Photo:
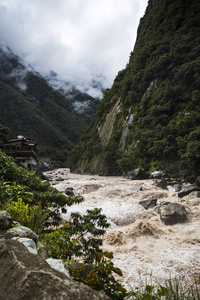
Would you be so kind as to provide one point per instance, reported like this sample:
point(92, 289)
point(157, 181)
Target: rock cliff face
point(25, 276)
point(156, 125)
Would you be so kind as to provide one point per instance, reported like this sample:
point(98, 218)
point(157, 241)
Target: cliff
point(150, 117)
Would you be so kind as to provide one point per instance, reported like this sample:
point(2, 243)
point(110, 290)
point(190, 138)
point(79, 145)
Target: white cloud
point(78, 39)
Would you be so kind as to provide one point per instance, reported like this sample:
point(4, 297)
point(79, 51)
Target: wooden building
point(23, 150)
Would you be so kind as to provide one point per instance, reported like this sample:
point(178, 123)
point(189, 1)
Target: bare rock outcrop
point(26, 276)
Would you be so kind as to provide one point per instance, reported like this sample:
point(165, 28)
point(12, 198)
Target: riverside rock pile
point(24, 275)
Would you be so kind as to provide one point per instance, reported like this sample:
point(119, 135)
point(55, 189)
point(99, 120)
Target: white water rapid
point(143, 246)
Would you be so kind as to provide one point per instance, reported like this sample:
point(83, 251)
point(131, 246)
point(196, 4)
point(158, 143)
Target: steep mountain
point(82, 103)
point(29, 106)
point(150, 118)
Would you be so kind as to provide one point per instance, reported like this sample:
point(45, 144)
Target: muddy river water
point(144, 248)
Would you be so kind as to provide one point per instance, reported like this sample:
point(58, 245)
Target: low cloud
point(79, 40)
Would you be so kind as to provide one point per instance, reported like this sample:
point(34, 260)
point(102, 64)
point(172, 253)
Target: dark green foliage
point(80, 237)
point(160, 86)
point(3, 133)
point(26, 190)
point(101, 277)
point(85, 151)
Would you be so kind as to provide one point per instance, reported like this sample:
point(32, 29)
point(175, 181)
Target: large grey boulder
point(26, 276)
point(161, 183)
point(172, 213)
point(136, 188)
point(58, 265)
point(174, 187)
point(28, 243)
point(5, 220)
point(186, 191)
point(20, 231)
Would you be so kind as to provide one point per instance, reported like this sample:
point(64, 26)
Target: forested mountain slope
point(29, 106)
point(150, 118)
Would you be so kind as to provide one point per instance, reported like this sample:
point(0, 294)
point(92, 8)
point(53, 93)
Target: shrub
point(80, 237)
point(101, 276)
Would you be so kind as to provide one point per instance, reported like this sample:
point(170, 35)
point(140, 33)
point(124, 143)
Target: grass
point(172, 290)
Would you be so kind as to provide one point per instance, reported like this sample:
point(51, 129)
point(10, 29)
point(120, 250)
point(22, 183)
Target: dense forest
point(150, 118)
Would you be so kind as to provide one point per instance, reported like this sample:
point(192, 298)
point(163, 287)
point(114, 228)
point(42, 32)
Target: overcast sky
point(78, 39)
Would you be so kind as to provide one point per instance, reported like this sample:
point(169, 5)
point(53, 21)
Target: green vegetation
point(79, 237)
point(28, 199)
point(173, 289)
point(160, 87)
point(101, 278)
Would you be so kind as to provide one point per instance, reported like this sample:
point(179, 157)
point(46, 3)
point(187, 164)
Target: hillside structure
point(23, 150)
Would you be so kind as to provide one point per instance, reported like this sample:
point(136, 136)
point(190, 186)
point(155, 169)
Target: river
point(144, 248)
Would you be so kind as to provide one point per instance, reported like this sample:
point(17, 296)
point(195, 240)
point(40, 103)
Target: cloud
point(78, 39)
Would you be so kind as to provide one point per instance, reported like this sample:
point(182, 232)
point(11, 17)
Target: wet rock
point(161, 183)
point(172, 213)
point(20, 231)
point(136, 188)
point(59, 179)
point(195, 194)
point(137, 174)
point(28, 243)
point(157, 174)
point(186, 191)
point(148, 203)
point(58, 265)
point(91, 187)
point(174, 187)
point(69, 191)
point(5, 220)
point(27, 276)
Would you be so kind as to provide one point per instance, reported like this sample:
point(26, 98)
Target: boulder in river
point(172, 213)
point(148, 203)
point(69, 191)
point(186, 191)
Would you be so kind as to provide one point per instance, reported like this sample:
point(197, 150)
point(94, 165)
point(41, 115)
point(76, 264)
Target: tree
point(3, 133)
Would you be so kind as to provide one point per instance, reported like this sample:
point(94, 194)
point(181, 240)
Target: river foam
point(143, 246)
